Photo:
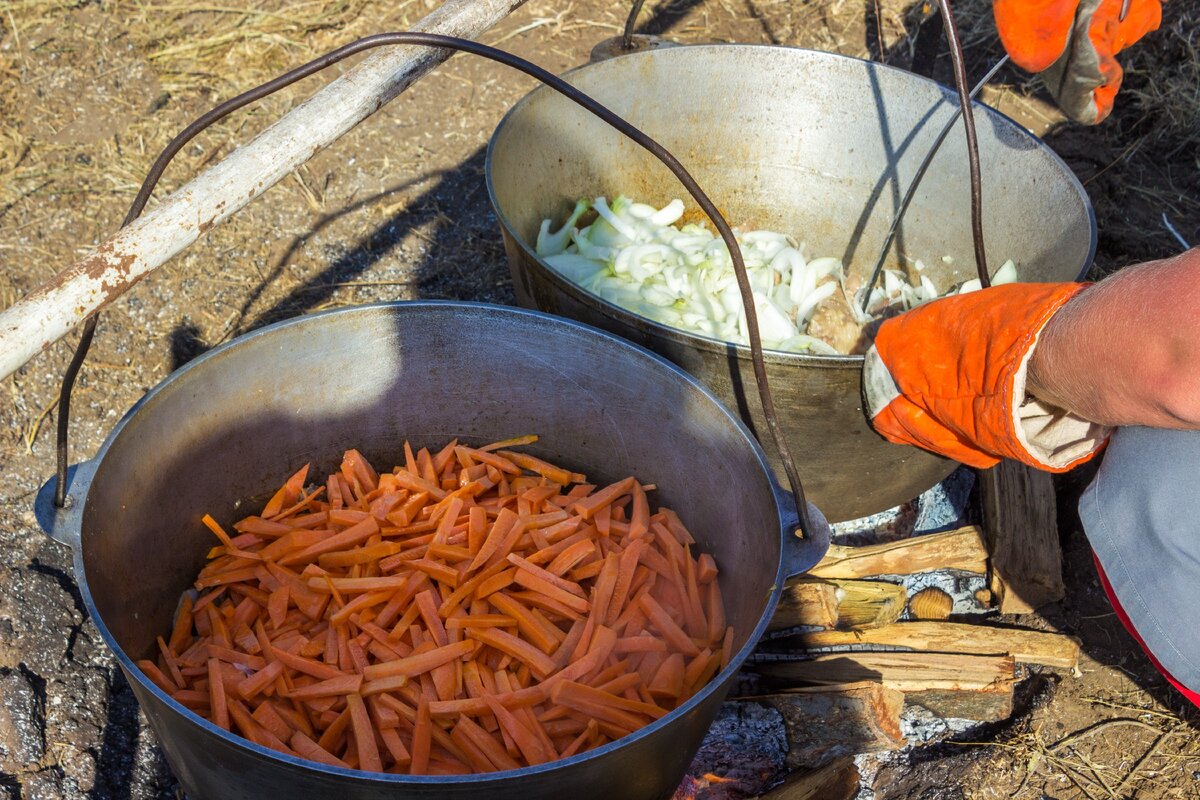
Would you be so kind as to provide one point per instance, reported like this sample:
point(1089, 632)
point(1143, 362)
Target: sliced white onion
point(635, 257)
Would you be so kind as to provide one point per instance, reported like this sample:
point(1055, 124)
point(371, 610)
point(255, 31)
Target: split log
point(837, 603)
point(961, 549)
point(868, 604)
point(837, 780)
point(827, 722)
point(804, 602)
point(1032, 647)
point(1020, 517)
point(949, 685)
point(51, 310)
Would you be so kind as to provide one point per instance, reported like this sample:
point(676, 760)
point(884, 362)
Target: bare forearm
point(1127, 350)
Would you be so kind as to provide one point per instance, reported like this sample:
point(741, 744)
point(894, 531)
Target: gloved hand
point(950, 377)
point(1074, 44)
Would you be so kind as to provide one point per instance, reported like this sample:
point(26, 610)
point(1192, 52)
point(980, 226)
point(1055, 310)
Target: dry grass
point(185, 56)
point(1118, 757)
point(1162, 83)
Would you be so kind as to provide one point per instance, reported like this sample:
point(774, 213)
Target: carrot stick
point(527, 624)
point(541, 664)
point(485, 743)
point(306, 665)
point(669, 680)
point(347, 538)
point(364, 735)
point(181, 633)
point(309, 749)
point(346, 684)
point(216, 693)
point(260, 680)
point(639, 519)
point(589, 505)
point(419, 663)
point(421, 740)
point(529, 745)
point(543, 468)
point(662, 621)
point(538, 584)
point(481, 621)
point(532, 615)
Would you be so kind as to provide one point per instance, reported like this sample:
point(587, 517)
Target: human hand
point(950, 377)
point(1074, 44)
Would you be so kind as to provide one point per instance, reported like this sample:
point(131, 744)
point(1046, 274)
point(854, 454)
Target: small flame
point(712, 779)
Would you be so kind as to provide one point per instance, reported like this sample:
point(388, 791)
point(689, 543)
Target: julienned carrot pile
point(473, 610)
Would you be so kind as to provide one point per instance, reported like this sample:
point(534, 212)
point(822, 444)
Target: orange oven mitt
point(1074, 45)
point(949, 377)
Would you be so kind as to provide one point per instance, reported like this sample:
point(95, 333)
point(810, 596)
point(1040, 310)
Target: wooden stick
point(825, 722)
point(868, 604)
point(949, 685)
point(1032, 647)
point(836, 603)
point(806, 602)
point(1021, 519)
point(905, 672)
point(837, 780)
point(49, 312)
point(961, 549)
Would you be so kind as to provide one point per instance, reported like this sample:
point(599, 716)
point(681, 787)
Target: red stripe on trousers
point(1194, 697)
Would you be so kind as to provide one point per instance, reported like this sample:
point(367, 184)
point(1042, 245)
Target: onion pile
point(636, 256)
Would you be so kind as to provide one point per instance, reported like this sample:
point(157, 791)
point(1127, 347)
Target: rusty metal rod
point(916, 181)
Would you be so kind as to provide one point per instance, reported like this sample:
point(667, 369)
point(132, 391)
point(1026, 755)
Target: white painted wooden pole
point(49, 312)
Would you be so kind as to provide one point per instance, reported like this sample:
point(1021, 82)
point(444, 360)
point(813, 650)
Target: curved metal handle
point(802, 553)
point(557, 84)
point(64, 523)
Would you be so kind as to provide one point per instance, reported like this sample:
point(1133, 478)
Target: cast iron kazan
point(819, 145)
point(235, 422)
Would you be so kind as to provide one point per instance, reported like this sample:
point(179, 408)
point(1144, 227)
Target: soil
point(90, 91)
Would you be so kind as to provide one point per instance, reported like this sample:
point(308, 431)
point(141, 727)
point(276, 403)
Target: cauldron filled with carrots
point(526, 558)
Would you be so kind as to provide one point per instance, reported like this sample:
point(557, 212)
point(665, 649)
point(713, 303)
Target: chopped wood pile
point(850, 647)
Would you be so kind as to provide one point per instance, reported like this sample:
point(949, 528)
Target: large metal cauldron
point(230, 424)
point(815, 144)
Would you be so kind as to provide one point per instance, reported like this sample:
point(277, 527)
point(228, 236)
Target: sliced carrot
point(529, 627)
point(589, 505)
point(661, 620)
point(287, 494)
point(527, 742)
point(532, 615)
point(540, 585)
point(485, 743)
point(421, 741)
point(364, 735)
point(668, 681)
point(306, 666)
point(417, 664)
point(346, 684)
point(219, 711)
point(181, 633)
point(260, 680)
point(266, 716)
point(541, 664)
point(639, 519)
point(543, 468)
point(307, 748)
